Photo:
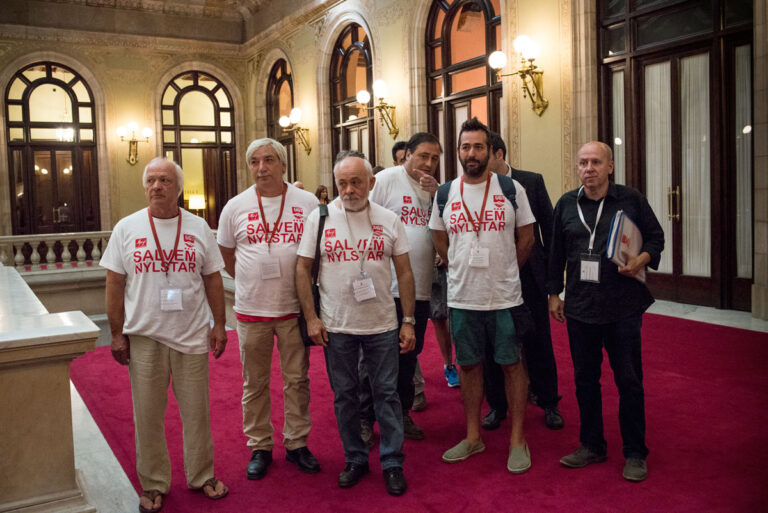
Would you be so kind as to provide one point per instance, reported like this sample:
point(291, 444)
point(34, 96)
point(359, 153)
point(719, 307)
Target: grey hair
point(161, 160)
point(258, 143)
point(345, 154)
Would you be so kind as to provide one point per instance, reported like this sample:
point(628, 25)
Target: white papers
point(624, 242)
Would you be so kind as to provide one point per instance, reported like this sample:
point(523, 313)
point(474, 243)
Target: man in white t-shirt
point(484, 236)
point(259, 233)
point(359, 240)
point(407, 191)
point(162, 275)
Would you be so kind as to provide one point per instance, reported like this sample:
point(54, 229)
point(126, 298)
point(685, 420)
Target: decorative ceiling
point(224, 9)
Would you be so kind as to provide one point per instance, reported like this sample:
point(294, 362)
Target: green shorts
point(471, 329)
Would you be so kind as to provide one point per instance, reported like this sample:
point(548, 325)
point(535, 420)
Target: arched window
point(460, 35)
point(198, 133)
point(51, 151)
point(351, 71)
point(280, 103)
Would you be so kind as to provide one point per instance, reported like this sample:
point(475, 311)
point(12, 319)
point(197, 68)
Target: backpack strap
point(442, 196)
point(508, 188)
point(321, 223)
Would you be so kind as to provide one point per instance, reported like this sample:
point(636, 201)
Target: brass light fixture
point(133, 142)
point(290, 124)
point(385, 110)
point(530, 74)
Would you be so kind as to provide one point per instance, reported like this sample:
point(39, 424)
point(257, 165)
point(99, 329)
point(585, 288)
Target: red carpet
point(706, 402)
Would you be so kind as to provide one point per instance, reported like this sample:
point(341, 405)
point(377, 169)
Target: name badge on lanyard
point(170, 300)
point(479, 256)
point(589, 270)
point(270, 267)
point(362, 287)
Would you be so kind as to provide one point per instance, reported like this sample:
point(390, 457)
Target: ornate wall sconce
point(133, 142)
point(385, 110)
point(530, 74)
point(290, 124)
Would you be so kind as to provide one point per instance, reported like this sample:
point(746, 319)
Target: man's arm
point(440, 241)
point(315, 327)
point(214, 291)
point(523, 244)
point(115, 298)
point(407, 290)
point(228, 254)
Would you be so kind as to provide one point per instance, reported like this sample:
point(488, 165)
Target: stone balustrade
point(51, 251)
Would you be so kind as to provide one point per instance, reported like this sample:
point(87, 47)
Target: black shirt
point(616, 296)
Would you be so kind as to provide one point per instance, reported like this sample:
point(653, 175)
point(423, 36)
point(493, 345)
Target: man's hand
point(635, 264)
point(439, 262)
point(317, 332)
point(407, 338)
point(556, 308)
point(121, 349)
point(218, 340)
point(429, 184)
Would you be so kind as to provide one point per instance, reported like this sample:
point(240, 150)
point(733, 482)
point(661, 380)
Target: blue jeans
point(380, 358)
point(622, 343)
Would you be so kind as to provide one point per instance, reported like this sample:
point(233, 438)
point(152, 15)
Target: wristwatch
point(410, 320)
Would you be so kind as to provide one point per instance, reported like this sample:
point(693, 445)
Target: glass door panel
point(43, 207)
point(743, 131)
point(65, 212)
point(619, 148)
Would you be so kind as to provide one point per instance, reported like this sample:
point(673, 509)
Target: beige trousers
point(151, 366)
point(256, 342)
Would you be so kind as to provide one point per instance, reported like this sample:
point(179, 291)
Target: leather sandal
point(152, 495)
point(213, 482)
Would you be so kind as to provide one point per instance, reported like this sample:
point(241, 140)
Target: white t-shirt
point(132, 252)
point(398, 192)
point(340, 257)
point(497, 286)
point(241, 227)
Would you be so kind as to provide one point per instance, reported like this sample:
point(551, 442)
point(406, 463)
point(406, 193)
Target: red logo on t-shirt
point(456, 205)
point(378, 230)
point(141, 243)
point(253, 216)
point(297, 211)
point(189, 239)
point(330, 232)
point(407, 200)
point(498, 200)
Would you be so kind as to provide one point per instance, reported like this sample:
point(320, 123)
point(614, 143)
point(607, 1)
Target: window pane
point(169, 136)
point(479, 107)
point(737, 12)
point(468, 34)
point(34, 72)
point(43, 188)
point(439, 20)
point(695, 145)
point(62, 74)
point(619, 148)
point(17, 89)
point(17, 175)
point(17, 134)
point(614, 40)
point(184, 80)
point(226, 137)
point(86, 135)
point(284, 99)
point(355, 75)
point(195, 108)
point(438, 57)
point(468, 79)
point(226, 118)
point(676, 25)
point(81, 92)
point(498, 37)
point(743, 131)
point(207, 81)
point(44, 134)
point(615, 7)
point(460, 115)
point(192, 161)
point(85, 115)
point(48, 102)
point(169, 96)
point(168, 118)
point(496, 7)
point(197, 136)
point(14, 113)
point(221, 95)
point(356, 110)
point(658, 149)
point(437, 88)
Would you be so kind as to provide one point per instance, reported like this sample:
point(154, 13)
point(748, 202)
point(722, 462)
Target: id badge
point(362, 288)
point(590, 267)
point(270, 268)
point(170, 300)
point(479, 256)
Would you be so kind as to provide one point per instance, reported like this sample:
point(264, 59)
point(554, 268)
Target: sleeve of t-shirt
point(380, 191)
point(435, 221)
point(112, 257)
point(523, 215)
point(213, 259)
point(225, 235)
point(309, 237)
point(401, 245)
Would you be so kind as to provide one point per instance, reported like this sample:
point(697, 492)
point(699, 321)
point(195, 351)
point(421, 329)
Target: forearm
point(440, 241)
point(304, 286)
point(524, 244)
point(214, 291)
point(228, 254)
point(115, 302)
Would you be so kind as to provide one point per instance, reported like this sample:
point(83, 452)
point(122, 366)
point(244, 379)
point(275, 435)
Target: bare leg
point(443, 340)
point(472, 396)
point(516, 386)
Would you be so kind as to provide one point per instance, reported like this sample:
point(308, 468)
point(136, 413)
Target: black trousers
point(537, 352)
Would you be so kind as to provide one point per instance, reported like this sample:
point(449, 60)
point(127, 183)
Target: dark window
point(279, 104)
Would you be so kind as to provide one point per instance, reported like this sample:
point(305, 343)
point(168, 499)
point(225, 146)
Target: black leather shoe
point(303, 459)
point(352, 474)
point(257, 467)
point(394, 480)
point(493, 420)
point(553, 419)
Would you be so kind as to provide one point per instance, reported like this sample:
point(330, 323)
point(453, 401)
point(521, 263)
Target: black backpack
point(507, 187)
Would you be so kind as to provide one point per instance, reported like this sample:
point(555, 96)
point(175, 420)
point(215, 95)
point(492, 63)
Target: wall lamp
point(133, 142)
point(385, 110)
point(290, 124)
point(530, 74)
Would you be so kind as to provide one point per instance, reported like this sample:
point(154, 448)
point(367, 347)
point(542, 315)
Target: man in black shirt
point(604, 304)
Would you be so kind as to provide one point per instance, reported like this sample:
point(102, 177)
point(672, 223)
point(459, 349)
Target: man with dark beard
point(483, 228)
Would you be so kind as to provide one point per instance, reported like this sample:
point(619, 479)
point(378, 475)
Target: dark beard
point(477, 172)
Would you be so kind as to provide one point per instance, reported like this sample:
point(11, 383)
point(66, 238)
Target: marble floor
point(107, 487)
